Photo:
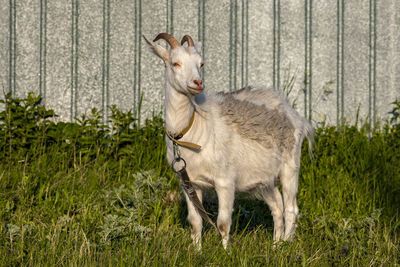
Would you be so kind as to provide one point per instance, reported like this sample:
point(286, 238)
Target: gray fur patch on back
point(256, 122)
point(244, 89)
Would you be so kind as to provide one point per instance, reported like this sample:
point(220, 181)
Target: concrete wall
point(79, 54)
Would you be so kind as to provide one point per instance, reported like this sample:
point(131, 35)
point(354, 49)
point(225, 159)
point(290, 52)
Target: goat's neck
point(178, 110)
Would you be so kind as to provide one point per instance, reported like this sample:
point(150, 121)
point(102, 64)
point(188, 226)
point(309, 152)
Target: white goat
point(250, 139)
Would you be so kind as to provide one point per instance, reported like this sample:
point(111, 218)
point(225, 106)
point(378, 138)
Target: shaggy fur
point(269, 127)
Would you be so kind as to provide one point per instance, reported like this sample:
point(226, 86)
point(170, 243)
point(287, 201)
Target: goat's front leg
point(195, 219)
point(226, 197)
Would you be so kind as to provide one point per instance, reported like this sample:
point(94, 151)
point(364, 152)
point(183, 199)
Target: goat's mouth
point(195, 90)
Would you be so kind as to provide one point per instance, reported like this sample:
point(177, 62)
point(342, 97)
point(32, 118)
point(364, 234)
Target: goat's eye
point(201, 65)
point(176, 64)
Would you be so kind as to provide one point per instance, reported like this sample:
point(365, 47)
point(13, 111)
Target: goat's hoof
point(225, 242)
point(196, 246)
point(277, 244)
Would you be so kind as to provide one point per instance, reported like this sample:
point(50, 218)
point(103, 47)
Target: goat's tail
point(308, 132)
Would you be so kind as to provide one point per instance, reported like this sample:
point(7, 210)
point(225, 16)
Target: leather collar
point(175, 138)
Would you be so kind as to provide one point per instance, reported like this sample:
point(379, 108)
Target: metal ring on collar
point(176, 161)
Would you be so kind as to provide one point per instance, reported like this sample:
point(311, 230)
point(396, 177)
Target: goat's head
point(182, 63)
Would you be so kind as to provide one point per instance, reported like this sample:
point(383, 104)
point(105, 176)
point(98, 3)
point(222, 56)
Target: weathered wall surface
point(344, 55)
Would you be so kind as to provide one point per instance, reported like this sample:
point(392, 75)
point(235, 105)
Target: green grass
point(90, 194)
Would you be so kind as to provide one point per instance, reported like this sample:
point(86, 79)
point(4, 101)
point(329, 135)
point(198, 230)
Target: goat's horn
point(169, 38)
point(188, 39)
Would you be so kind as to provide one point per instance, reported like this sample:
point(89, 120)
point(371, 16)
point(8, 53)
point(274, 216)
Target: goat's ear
point(198, 47)
point(158, 50)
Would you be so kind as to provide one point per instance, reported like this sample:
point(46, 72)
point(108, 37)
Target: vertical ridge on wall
point(245, 42)
point(12, 48)
point(74, 58)
point(230, 43)
point(201, 30)
point(140, 60)
point(310, 65)
point(310, 76)
point(337, 60)
point(308, 60)
point(276, 50)
point(235, 47)
point(305, 56)
point(199, 6)
point(242, 47)
point(233, 36)
point(135, 48)
point(203, 37)
point(340, 63)
point(137, 57)
point(43, 49)
point(372, 64)
point(170, 17)
point(105, 90)
point(234, 43)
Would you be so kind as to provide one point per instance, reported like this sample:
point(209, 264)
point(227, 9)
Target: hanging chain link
point(177, 158)
point(177, 152)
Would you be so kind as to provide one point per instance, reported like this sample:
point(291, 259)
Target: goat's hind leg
point(289, 181)
point(273, 197)
point(195, 219)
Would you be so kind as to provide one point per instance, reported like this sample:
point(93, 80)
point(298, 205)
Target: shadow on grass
point(248, 213)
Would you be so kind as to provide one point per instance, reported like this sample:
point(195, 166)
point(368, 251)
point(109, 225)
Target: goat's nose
point(199, 83)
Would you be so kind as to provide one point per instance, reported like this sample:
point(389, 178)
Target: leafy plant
point(127, 207)
point(24, 124)
point(395, 119)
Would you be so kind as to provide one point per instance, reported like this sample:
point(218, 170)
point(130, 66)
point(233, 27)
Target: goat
point(250, 139)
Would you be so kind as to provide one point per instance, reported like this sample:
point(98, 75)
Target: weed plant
point(88, 193)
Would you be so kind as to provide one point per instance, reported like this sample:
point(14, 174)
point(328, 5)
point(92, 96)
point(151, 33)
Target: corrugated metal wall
point(79, 54)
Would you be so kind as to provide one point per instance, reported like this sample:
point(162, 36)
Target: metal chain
point(177, 158)
point(177, 152)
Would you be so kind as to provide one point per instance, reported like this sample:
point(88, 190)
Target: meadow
point(92, 193)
